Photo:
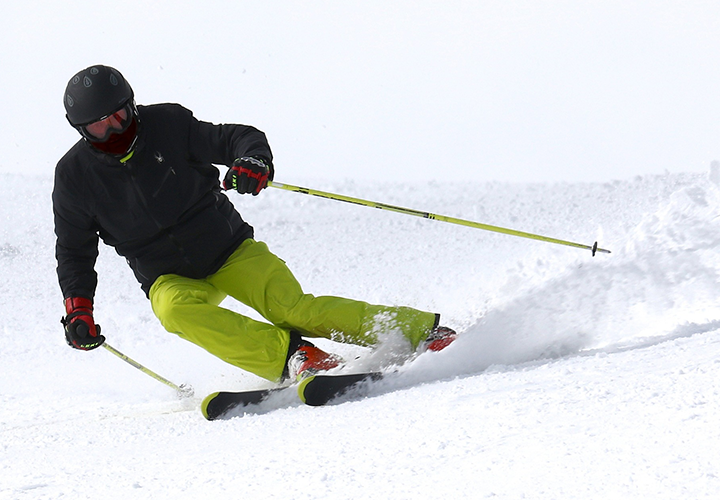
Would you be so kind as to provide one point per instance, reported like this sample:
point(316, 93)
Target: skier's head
point(100, 104)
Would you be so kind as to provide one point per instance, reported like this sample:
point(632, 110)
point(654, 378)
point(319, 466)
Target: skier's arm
point(76, 252)
point(223, 144)
point(244, 149)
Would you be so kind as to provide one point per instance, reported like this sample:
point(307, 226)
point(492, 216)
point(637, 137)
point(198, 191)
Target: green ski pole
point(427, 215)
point(184, 391)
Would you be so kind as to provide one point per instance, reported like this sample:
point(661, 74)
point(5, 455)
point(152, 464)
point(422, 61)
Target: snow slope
point(575, 377)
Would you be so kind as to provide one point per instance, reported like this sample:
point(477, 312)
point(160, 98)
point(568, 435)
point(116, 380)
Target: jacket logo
point(159, 157)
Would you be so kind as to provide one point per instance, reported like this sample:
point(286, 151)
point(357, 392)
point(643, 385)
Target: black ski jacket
point(163, 210)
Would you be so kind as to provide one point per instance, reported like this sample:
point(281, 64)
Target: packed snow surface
point(574, 376)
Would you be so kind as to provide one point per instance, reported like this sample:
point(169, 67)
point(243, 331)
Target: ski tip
point(209, 414)
point(318, 390)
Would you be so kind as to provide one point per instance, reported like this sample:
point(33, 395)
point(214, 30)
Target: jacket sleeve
point(77, 240)
point(222, 144)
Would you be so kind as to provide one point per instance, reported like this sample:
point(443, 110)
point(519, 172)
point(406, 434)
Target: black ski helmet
point(94, 93)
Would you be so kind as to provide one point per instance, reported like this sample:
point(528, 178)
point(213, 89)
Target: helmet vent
point(95, 93)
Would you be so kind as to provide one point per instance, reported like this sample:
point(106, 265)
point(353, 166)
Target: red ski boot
point(440, 337)
point(310, 360)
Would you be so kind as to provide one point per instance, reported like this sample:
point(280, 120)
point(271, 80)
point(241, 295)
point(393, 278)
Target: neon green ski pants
point(257, 278)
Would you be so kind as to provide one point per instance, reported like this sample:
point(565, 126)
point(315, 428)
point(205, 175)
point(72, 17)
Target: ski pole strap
point(427, 215)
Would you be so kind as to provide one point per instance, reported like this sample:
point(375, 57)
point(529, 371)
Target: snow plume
point(660, 283)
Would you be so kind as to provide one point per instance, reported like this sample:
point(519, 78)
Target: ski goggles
point(114, 123)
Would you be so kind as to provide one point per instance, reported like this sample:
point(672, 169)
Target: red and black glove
point(81, 332)
point(249, 174)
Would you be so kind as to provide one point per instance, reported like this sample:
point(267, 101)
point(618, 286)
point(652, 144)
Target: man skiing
point(142, 179)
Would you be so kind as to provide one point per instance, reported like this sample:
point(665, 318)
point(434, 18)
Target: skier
point(142, 179)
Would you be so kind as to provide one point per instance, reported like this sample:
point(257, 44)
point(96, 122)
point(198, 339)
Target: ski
point(317, 390)
point(218, 404)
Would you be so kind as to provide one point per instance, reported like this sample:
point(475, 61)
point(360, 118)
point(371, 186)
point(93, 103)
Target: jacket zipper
point(162, 183)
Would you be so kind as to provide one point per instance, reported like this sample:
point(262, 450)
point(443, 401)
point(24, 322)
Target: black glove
point(249, 174)
point(81, 332)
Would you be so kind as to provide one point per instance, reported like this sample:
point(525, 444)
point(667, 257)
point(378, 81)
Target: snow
point(574, 376)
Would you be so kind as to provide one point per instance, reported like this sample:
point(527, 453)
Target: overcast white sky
point(382, 89)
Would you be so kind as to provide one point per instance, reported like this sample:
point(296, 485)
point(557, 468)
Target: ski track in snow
point(574, 376)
